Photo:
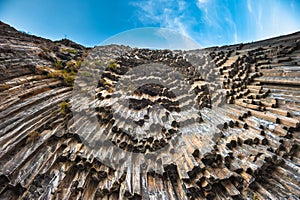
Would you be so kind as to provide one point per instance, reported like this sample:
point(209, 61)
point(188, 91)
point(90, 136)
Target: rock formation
point(236, 137)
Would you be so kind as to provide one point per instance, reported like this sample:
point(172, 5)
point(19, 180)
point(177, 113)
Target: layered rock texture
point(232, 132)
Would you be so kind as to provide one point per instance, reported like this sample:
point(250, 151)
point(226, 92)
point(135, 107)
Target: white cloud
point(210, 13)
point(235, 37)
point(232, 24)
point(202, 1)
point(182, 5)
point(176, 15)
point(217, 22)
point(259, 19)
point(218, 18)
point(271, 19)
point(249, 6)
point(170, 15)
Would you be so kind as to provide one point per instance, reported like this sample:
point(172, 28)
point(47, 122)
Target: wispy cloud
point(200, 19)
point(202, 1)
point(249, 6)
point(217, 20)
point(270, 18)
point(212, 22)
point(229, 20)
point(209, 12)
point(167, 14)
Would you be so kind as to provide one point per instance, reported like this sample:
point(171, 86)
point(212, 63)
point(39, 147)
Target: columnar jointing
point(243, 146)
point(148, 95)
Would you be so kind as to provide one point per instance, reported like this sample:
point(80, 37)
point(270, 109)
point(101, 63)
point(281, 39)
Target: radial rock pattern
point(223, 124)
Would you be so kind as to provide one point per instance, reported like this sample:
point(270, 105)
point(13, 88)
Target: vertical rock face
point(245, 146)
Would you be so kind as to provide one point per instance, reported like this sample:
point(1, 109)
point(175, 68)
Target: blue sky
point(208, 22)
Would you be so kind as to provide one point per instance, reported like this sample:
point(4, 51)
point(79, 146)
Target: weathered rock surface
point(248, 148)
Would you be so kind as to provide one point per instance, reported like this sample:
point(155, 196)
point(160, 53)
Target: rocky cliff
point(232, 132)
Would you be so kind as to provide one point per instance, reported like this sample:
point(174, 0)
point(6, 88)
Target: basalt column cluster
point(236, 137)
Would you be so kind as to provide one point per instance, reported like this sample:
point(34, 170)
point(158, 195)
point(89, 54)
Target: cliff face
point(238, 140)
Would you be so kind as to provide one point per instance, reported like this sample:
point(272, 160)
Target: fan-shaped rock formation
point(114, 122)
